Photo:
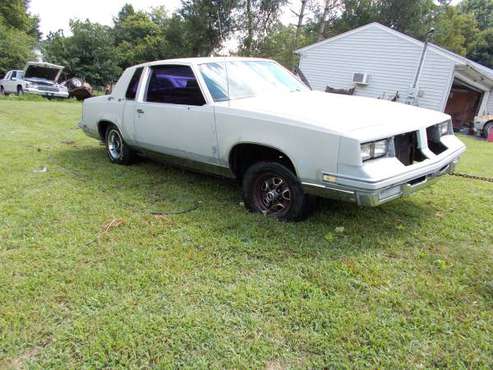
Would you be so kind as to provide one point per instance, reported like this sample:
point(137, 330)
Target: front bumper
point(385, 191)
point(49, 94)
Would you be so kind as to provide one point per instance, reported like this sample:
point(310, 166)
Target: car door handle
point(140, 111)
point(110, 98)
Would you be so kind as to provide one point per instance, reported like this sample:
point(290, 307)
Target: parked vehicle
point(37, 78)
point(77, 88)
point(483, 124)
point(252, 120)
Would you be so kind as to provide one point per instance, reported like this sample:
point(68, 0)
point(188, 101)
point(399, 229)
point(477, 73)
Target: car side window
point(134, 83)
point(14, 75)
point(174, 84)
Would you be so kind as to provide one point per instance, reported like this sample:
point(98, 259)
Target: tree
point(413, 17)
point(137, 38)
point(207, 24)
point(482, 50)
point(455, 31)
point(16, 48)
point(330, 7)
point(482, 11)
point(88, 53)
point(19, 33)
point(256, 19)
point(278, 44)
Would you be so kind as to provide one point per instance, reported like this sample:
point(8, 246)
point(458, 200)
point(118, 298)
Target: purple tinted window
point(134, 83)
point(174, 85)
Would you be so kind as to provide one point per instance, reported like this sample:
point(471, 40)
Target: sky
point(55, 14)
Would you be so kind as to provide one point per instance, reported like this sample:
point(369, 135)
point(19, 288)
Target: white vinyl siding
point(435, 81)
point(489, 105)
point(390, 60)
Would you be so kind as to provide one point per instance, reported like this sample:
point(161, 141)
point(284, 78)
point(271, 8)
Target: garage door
point(463, 104)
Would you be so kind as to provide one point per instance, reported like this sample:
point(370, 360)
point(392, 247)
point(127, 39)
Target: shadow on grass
point(150, 183)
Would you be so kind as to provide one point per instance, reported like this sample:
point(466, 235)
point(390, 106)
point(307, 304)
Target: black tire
point(20, 91)
point(2, 91)
point(117, 150)
point(273, 189)
point(487, 128)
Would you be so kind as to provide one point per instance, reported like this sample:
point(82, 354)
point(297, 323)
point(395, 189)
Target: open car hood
point(42, 71)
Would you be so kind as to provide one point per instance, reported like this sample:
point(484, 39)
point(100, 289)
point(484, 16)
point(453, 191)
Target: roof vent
point(360, 78)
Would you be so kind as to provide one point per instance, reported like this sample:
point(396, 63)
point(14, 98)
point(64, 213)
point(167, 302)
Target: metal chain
point(481, 178)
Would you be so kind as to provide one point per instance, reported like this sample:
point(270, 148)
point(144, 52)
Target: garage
point(463, 104)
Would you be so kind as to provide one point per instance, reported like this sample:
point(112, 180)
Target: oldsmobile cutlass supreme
point(252, 120)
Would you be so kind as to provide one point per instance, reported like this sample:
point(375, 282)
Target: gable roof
point(488, 72)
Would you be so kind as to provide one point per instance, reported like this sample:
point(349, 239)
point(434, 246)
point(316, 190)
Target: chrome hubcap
point(272, 194)
point(115, 144)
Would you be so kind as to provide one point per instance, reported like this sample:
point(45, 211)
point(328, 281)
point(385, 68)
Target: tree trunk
point(321, 30)
point(249, 40)
point(301, 15)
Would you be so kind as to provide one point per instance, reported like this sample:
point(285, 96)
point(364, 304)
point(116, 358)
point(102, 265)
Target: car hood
point(42, 72)
point(355, 116)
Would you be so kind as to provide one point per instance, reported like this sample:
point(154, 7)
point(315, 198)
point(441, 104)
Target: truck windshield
point(245, 79)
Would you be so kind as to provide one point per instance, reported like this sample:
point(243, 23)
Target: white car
point(37, 78)
point(253, 120)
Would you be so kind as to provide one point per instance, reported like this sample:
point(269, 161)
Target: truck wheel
point(273, 189)
point(20, 91)
point(118, 151)
point(487, 128)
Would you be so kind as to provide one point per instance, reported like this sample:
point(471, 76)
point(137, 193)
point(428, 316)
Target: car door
point(129, 109)
point(10, 83)
point(173, 117)
point(5, 80)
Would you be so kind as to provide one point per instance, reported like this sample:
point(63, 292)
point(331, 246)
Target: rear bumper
point(385, 191)
point(88, 131)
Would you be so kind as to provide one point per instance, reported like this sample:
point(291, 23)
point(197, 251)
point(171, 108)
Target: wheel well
point(102, 128)
point(242, 156)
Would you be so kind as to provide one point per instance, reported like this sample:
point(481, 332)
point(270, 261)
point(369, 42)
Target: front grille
point(47, 88)
point(434, 143)
point(406, 148)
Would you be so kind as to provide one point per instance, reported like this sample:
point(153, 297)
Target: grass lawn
point(89, 278)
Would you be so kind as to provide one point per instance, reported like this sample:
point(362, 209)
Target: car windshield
point(245, 79)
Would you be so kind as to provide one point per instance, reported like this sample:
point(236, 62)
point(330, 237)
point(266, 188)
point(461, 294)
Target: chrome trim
point(194, 165)
point(368, 197)
point(413, 172)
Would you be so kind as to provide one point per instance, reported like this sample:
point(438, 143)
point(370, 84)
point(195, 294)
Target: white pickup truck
point(36, 78)
point(252, 120)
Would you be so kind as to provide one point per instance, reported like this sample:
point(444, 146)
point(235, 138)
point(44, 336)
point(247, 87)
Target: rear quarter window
point(134, 83)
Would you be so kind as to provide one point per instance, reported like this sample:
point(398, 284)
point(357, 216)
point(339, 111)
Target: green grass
point(405, 285)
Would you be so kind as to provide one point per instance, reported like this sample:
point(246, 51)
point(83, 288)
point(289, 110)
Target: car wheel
point(487, 128)
point(20, 91)
point(2, 91)
point(273, 189)
point(118, 151)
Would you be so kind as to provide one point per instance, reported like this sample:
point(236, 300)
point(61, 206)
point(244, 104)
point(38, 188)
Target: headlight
point(444, 128)
point(375, 149)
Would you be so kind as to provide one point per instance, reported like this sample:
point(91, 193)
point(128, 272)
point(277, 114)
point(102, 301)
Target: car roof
point(200, 60)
